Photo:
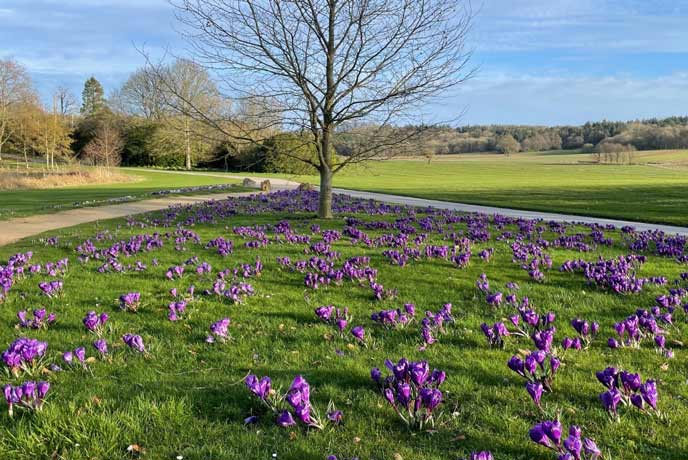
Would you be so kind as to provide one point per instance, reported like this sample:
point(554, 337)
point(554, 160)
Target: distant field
point(17, 203)
point(653, 190)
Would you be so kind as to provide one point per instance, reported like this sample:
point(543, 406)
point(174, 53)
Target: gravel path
point(16, 229)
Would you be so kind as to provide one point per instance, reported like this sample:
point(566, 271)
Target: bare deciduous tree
point(326, 63)
point(66, 101)
point(15, 89)
point(106, 147)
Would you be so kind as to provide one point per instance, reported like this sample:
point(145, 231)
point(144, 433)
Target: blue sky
point(540, 61)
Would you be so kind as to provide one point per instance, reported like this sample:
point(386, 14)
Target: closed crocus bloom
point(341, 324)
point(630, 382)
point(530, 364)
point(535, 390)
point(554, 364)
point(649, 392)
point(567, 343)
point(438, 377)
point(610, 399)
point(431, 398)
point(7, 390)
point(359, 333)
point(376, 375)
point(612, 343)
point(68, 357)
point(101, 346)
point(637, 401)
point(660, 340)
point(303, 412)
point(42, 388)
point(574, 445)
point(400, 369)
point(389, 396)
point(419, 371)
point(501, 329)
point(595, 328)
point(552, 429)
point(516, 364)
point(537, 435)
point(403, 393)
point(80, 354)
point(590, 448)
point(29, 388)
point(607, 377)
point(285, 419)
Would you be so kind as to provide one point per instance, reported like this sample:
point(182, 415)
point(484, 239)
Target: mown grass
point(18, 203)
point(653, 190)
point(185, 397)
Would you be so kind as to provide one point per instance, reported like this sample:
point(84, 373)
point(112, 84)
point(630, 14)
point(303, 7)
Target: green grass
point(654, 191)
point(186, 397)
point(19, 203)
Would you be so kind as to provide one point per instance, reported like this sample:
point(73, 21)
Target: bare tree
point(327, 63)
point(66, 101)
point(184, 92)
point(140, 95)
point(15, 89)
point(106, 147)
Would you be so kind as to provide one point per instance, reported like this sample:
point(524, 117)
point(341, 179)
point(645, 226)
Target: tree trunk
point(188, 145)
point(325, 209)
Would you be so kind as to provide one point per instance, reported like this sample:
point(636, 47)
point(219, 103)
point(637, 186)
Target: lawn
point(654, 190)
point(18, 203)
point(185, 398)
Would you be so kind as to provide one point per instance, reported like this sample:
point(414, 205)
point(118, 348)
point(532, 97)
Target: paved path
point(16, 229)
point(22, 227)
point(547, 216)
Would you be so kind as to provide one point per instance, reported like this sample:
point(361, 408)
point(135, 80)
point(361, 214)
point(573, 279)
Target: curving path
point(16, 229)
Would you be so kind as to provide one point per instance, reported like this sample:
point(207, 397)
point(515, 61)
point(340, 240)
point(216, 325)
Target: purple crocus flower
point(101, 346)
point(482, 455)
point(285, 419)
point(535, 390)
point(135, 342)
point(611, 399)
point(260, 388)
point(359, 333)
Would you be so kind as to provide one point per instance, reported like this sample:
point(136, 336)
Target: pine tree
point(93, 97)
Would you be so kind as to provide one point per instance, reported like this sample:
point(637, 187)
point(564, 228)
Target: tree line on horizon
point(147, 122)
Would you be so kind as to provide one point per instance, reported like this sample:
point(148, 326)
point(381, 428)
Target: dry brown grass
point(13, 179)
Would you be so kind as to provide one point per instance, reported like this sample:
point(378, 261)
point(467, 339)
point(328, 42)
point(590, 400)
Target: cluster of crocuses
point(237, 292)
point(79, 353)
point(130, 301)
point(617, 275)
point(23, 354)
point(340, 318)
point(574, 447)
point(294, 405)
point(29, 395)
point(638, 327)
point(224, 247)
point(586, 334)
point(381, 294)
point(627, 389)
point(51, 288)
point(174, 272)
point(412, 390)
point(41, 319)
point(135, 342)
point(433, 324)
point(219, 331)
point(95, 322)
point(395, 318)
point(176, 310)
point(537, 367)
point(495, 334)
